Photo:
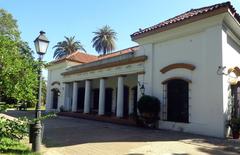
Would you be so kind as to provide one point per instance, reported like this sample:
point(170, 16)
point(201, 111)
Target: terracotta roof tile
point(86, 58)
point(81, 57)
point(188, 15)
point(117, 53)
point(77, 56)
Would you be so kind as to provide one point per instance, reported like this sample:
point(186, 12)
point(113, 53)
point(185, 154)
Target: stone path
point(71, 136)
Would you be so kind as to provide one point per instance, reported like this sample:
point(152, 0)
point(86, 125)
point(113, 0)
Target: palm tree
point(104, 40)
point(67, 47)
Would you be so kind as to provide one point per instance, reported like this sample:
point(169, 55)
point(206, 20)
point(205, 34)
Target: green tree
point(18, 69)
point(18, 78)
point(67, 47)
point(104, 40)
point(8, 26)
point(25, 50)
point(44, 91)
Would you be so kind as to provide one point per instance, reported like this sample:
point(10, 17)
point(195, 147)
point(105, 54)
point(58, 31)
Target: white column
point(74, 97)
point(120, 97)
point(87, 96)
point(101, 109)
point(48, 99)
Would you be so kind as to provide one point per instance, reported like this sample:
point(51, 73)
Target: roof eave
point(107, 65)
point(60, 61)
point(180, 23)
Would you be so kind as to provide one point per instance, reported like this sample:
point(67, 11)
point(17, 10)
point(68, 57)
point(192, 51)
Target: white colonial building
point(180, 61)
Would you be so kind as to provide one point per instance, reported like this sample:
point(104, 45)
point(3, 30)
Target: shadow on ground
point(64, 131)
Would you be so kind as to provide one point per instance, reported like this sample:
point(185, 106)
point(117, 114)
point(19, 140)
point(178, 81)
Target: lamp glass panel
point(43, 47)
point(36, 43)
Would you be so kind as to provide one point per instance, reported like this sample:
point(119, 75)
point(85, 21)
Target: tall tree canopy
point(18, 78)
point(8, 25)
point(18, 69)
point(104, 40)
point(66, 47)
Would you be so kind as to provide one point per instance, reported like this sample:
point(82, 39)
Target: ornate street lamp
point(142, 88)
point(41, 45)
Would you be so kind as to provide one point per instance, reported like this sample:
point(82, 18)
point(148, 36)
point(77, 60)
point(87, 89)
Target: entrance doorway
point(125, 101)
point(55, 98)
point(95, 100)
point(80, 99)
point(108, 101)
point(177, 101)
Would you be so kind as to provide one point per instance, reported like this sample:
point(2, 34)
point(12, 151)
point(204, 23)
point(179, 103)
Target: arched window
point(176, 100)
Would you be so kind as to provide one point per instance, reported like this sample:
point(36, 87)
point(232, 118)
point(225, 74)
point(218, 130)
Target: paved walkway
point(71, 136)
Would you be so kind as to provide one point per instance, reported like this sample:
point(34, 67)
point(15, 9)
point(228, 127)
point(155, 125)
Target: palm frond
point(104, 40)
point(66, 47)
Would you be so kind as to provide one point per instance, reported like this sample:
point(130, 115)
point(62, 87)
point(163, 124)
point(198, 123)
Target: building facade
point(176, 60)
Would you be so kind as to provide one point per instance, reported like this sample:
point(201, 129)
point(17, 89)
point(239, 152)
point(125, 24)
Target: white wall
point(202, 48)
point(54, 74)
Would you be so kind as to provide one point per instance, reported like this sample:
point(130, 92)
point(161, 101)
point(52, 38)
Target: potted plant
point(149, 108)
point(234, 124)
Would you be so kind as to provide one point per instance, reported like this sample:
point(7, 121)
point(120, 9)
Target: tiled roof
point(117, 53)
point(86, 58)
point(77, 56)
point(188, 15)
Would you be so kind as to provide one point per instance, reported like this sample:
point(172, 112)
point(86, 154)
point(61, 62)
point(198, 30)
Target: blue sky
point(79, 18)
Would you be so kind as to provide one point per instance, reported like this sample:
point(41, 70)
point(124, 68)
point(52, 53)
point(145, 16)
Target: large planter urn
point(235, 134)
point(234, 124)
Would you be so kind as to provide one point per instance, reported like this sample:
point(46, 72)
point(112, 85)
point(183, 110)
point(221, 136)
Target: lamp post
point(41, 45)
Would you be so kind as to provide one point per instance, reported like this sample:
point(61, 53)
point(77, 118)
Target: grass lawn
point(30, 109)
point(14, 136)
point(14, 106)
point(33, 108)
point(14, 147)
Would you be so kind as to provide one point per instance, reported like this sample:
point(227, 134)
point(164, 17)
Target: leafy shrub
point(13, 129)
point(18, 128)
point(149, 108)
point(30, 104)
point(3, 107)
point(149, 104)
